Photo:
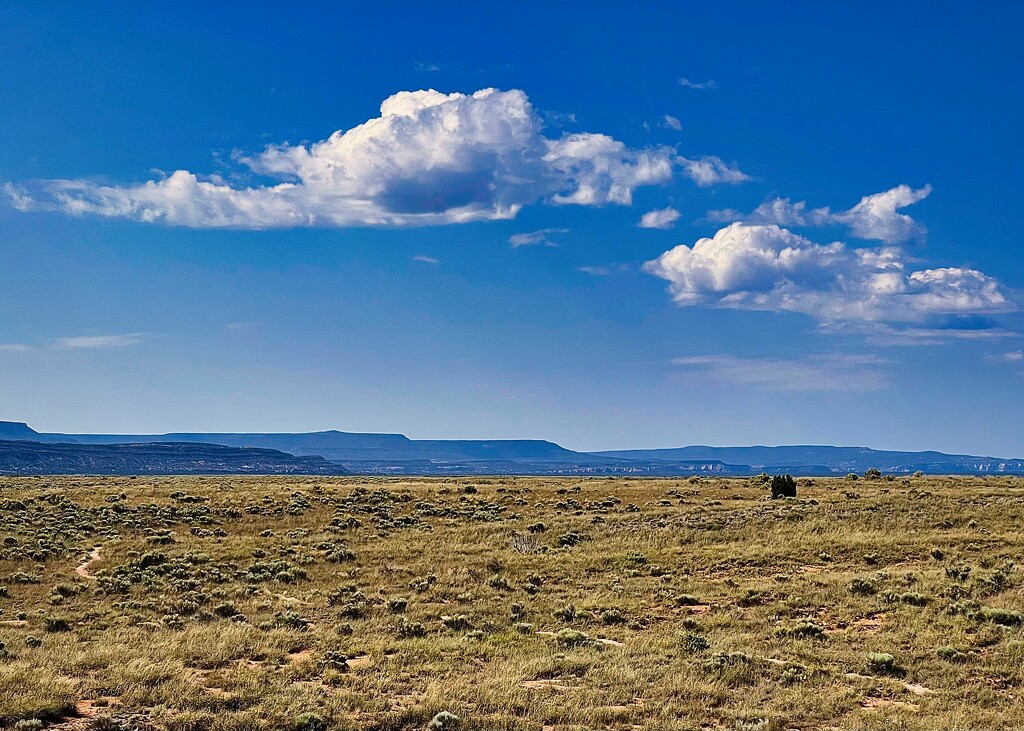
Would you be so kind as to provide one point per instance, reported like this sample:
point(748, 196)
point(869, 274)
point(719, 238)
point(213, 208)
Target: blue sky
point(830, 252)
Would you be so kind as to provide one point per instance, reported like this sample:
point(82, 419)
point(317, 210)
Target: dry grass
point(516, 603)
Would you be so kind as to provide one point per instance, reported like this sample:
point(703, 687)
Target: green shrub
point(953, 654)
point(882, 663)
point(1004, 617)
point(572, 638)
point(309, 722)
point(806, 630)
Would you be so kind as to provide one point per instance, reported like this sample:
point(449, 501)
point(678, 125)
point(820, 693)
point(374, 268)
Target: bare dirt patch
point(82, 569)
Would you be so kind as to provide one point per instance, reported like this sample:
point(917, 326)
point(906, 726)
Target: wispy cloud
point(709, 84)
point(1012, 357)
point(710, 170)
point(99, 341)
point(424, 259)
point(821, 372)
point(536, 238)
point(672, 123)
point(603, 271)
point(428, 159)
point(663, 218)
point(425, 67)
point(15, 348)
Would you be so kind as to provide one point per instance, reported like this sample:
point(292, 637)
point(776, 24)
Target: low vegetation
point(510, 604)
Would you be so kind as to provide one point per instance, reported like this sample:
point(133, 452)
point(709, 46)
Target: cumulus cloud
point(429, 158)
point(875, 217)
point(536, 238)
point(99, 341)
point(765, 267)
point(662, 218)
point(825, 372)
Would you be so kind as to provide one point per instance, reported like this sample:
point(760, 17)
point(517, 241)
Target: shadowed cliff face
point(25, 457)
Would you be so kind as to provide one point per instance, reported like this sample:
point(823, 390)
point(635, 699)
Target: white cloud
point(663, 218)
point(99, 341)
point(1013, 357)
point(765, 267)
point(429, 158)
point(711, 170)
point(424, 259)
point(536, 238)
point(603, 271)
point(709, 84)
point(15, 348)
point(826, 372)
point(672, 122)
point(874, 217)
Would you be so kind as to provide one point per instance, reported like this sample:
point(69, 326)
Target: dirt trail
point(82, 569)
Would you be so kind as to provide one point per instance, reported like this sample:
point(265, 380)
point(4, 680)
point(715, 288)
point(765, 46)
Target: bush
point(693, 643)
point(783, 486)
point(572, 638)
point(309, 722)
point(407, 629)
point(863, 587)
point(952, 654)
point(443, 721)
point(612, 616)
point(873, 473)
point(1003, 617)
point(882, 663)
point(457, 622)
point(806, 630)
point(56, 624)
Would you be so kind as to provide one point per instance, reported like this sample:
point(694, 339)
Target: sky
point(609, 226)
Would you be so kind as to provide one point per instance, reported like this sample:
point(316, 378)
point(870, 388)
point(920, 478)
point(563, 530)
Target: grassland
point(512, 603)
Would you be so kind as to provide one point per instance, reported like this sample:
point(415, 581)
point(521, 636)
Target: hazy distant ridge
point(397, 454)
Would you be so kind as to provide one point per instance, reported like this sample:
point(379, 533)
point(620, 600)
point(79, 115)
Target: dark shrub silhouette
point(783, 486)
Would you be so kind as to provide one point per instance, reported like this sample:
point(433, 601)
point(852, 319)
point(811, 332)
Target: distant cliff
point(175, 458)
point(335, 452)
